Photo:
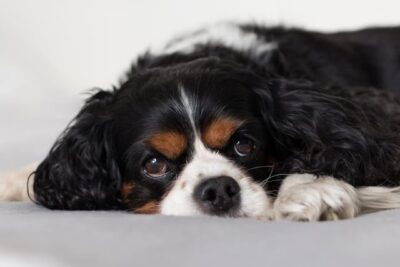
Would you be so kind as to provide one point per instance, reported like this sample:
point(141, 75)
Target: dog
point(239, 120)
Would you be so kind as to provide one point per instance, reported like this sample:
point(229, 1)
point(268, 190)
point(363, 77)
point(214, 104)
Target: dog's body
point(213, 122)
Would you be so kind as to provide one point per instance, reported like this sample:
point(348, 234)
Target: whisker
point(265, 182)
point(271, 172)
point(268, 179)
point(280, 174)
point(260, 167)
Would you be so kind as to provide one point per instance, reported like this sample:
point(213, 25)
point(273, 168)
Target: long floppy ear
point(326, 131)
point(80, 171)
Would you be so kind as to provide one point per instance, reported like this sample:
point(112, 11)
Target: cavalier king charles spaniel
point(238, 121)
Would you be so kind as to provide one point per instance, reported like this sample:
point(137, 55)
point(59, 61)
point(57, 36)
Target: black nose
point(218, 195)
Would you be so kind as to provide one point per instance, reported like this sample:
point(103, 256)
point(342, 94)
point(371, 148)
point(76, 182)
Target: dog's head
point(183, 140)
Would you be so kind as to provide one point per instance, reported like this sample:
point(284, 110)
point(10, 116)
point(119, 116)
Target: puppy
point(239, 121)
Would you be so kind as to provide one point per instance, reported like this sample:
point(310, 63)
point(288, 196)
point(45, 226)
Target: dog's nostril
point(209, 194)
point(232, 190)
point(218, 195)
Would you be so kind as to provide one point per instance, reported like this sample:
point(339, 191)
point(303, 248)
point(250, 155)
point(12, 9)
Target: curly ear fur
point(80, 171)
point(319, 130)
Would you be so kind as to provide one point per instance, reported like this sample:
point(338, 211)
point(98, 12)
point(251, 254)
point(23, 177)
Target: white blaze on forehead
point(189, 106)
point(226, 34)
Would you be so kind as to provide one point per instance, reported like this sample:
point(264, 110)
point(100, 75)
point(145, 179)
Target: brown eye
point(244, 147)
point(155, 167)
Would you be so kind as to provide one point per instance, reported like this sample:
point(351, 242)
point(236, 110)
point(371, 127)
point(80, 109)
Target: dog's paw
point(14, 185)
point(308, 198)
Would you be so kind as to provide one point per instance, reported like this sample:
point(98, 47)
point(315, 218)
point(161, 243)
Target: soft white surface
point(100, 238)
point(51, 51)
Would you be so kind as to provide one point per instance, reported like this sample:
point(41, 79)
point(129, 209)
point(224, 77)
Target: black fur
point(320, 103)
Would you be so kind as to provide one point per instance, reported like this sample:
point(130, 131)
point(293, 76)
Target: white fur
point(304, 197)
point(13, 185)
point(190, 106)
point(375, 198)
point(227, 34)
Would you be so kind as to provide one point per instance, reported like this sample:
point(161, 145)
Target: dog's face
point(190, 142)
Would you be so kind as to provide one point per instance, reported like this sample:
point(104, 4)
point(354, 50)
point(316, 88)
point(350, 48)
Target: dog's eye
point(244, 147)
point(155, 167)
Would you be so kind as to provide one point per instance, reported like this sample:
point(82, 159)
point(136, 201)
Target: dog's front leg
point(305, 197)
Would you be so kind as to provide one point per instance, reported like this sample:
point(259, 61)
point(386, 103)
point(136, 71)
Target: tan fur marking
point(127, 188)
point(171, 144)
point(218, 133)
point(151, 207)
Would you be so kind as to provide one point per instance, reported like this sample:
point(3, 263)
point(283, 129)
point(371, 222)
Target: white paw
point(13, 185)
point(308, 198)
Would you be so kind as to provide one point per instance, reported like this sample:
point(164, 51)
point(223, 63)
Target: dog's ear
point(318, 129)
point(80, 171)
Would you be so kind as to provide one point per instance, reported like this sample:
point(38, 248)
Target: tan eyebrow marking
point(169, 143)
point(219, 131)
point(150, 207)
